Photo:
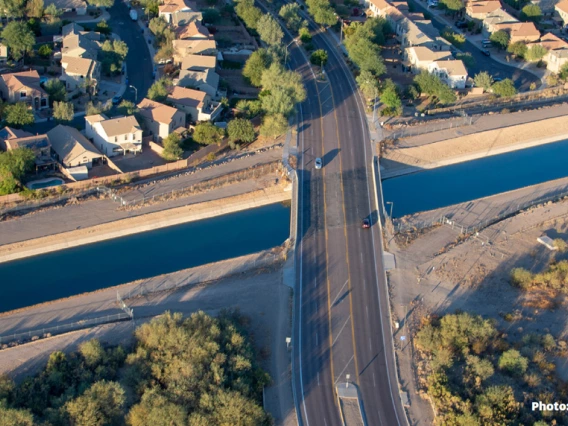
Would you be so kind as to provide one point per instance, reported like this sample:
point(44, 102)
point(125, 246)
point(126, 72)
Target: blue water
point(435, 188)
point(46, 184)
point(91, 267)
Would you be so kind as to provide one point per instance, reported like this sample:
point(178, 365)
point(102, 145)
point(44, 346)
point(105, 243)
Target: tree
point(241, 130)
point(269, 30)
point(34, 9)
point(478, 369)
point(17, 162)
point(249, 13)
point(249, 108)
point(157, 26)
point(101, 404)
point(431, 85)
point(155, 409)
point(126, 108)
point(366, 55)
point(322, 12)
point(166, 52)
point(103, 28)
point(172, 149)
point(274, 125)
point(63, 111)
point(391, 98)
point(13, 9)
point(97, 108)
point(12, 416)
point(291, 14)
point(531, 12)
point(255, 65)
point(101, 3)
point(456, 39)
point(500, 39)
point(467, 59)
point(518, 49)
point(483, 79)
point(112, 54)
point(45, 50)
point(319, 58)
point(18, 115)
point(53, 12)
point(159, 90)
point(56, 90)
point(453, 6)
point(497, 405)
point(211, 16)
point(368, 84)
point(563, 73)
point(305, 35)
point(504, 88)
point(283, 89)
point(536, 53)
point(207, 133)
point(377, 28)
point(19, 39)
point(513, 363)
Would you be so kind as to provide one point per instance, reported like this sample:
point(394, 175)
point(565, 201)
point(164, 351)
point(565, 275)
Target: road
point(342, 327)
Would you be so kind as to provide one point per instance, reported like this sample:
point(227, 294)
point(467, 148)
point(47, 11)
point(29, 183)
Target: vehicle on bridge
point(366, 223)
point(318, 163)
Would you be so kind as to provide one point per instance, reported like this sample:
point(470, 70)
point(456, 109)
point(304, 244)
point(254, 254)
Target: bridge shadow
point(330, 155)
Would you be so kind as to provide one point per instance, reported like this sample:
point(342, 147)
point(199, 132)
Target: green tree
point(13, 9)
point(101, 3)
point(366, 55)
point(249, 108)
point(531, 12)
point(563, 73)
point(291, 14)
point(519, 49)
point(211, 16)
point(240, 130)
point(431, 85)
point(126, 108)
point(500, 39)
point(497, 405)
point(63, 111)
point(207, 133)
point(34, 26)
point(478, 369)
point(159, 90)
point(56, 90)
point(283, 89)
point(101, 404)
point(19, 39)
point(322, 12)
point(453, 6)
point(368, 84)
point(467, 59)
point(456, 39)
point(504, 88)
point(165, 53)
point(34, 9)
point(536, 53)
point(255, 65)
point(17, 162)
point(319, 58)
point(103, 28)
point(112, 55)
point(513, 362)
point(45, 50)
point(305, 35)
point(274, 126)
point(172, 149)
point(18, 115)
point(97, 108)
point(249, 13)
point(377, 28)
point(391, 98)
point(53, 12)
point(12, 416)
point(158, 26)
point(483, 79)
point(269, 30)
point(155, 409)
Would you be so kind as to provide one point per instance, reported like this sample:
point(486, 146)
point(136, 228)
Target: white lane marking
point(344, 368)
point(338, 293)
point(346, 321)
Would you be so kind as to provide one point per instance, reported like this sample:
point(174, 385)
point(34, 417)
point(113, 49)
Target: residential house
point(193, 31)
point(418, 58)
point(172, 7)
point(478, 10)
point(160, 119)
point(77, 6)
point(114, 136)
point(451, 72)
point(556, 59)
point(378, 7)
point(40, 146)
point(71, 148)
point(199, 63)
point(81, 74)
point(562, 10)
point(495, 18)
point(207, 81)
point(185, 17)
point(196, 103)
point(8, 133)
point(520, 31)
point(24, 87)
point(183, 48)
point(3, 53)
point(551, 42)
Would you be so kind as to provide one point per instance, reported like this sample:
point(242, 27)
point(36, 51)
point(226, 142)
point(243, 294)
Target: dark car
point(116, 100)
point(366, 223)
point(486, 52)
point(462, 23)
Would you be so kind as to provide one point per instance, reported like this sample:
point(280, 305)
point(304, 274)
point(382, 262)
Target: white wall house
point(160, 119)
point(114, 136)
point(451, 72)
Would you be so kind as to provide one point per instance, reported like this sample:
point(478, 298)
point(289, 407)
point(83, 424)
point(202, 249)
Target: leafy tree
point(17, 162)
point(391, 98)
point(477, 369)
point(519, 49)
point(456, 39)
point(63, 111)
point(12, 416)
point(53, 12)
point(159, 90)
point(255, 65)
point(249, 108)
point(249, 13)
point(483, 79)
point(368, 84)
point(97, 108)
point(536, 53)
point(269, 30)
point(34, 9)
point(241, 130)
point(377, 28)
point(305, 36)
point(126, 108)
point(283, 89)
point(112, 54)
point(45, 50)
point(431, 85)
point(504, 88)
point(13, 8)
point(19, 39)
point(274, 125)
point(531, 12)
point(34, 26)
point(18, 115)
point(101, 3)
point(319, 58)
point(101, 404)
point(155, 409)
point(563, 74)
point(151, 7)
point(211, 16)
point(207, 133)
point(56, 90)
point(512, 362)
point(172, 149)
point(103, 28)
point(157, 26)
point(453, 6)
point(322, 12)
point(497, 405)
point(467, 59)
point(291, 14)
point(366, 55)
point(500, 39)
point(164, 53)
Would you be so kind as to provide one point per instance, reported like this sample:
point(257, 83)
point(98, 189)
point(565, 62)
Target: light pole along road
point(341, 324)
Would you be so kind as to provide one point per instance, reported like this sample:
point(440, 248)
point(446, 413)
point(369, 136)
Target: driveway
point(138, 60)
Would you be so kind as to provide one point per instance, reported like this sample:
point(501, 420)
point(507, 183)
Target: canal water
point(91, 267)
point(444, 186)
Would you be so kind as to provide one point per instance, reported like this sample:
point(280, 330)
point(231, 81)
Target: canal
point(91, 267)
point(444, 186)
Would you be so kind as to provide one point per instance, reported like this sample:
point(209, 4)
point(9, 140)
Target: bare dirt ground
point(434, 275)
point(261, 295)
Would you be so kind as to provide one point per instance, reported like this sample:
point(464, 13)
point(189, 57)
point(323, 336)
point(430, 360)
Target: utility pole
point(135, 92)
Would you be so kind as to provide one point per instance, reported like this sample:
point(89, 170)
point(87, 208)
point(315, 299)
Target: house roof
point(423, 53)
point(188, 97)
point(32, 141)
point(173, 6)
point(156, 111)
point(208, 76)
point(562, 6)
point(452, 67)
point(11, 133)
point(67, 4)
point(81, 45)
point(70, 144)
point(193, 47)
point(551, 42)
point(185, 17)
point(72, 28)
point(415, 35)
point(474, 7)
point(520, 29)
point(198, 62)
point(120, 125)
point(96, 118)
point(25, 79)
point(499, 16)
point(78, 66)
point(381, 4)
point(194, 30)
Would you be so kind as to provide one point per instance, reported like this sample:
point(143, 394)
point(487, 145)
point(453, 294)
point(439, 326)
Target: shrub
point(521, 278)
point(513, 363)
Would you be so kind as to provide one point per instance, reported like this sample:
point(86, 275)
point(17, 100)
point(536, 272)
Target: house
point(196, 103)
point(493, 19)
point(81, 74)
point(478, 10)
point(561, 9)
point(418, 58)
point(520, 31)
point(3, 53)
point(160, 119)
point(550, 42)
point(183, 48)
point(556, 59)
point(11, 139)
point(8, 133)
point(451, 72)
point(78, 6)
point(378, 7)
point(198, 63)
point(114, 136)
point(185, 17)
point(24, 87)
point(173, 7)
point(71, 148)
point(207, 81)
point(193, 31)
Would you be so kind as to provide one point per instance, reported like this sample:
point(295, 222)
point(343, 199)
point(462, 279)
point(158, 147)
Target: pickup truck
point(133, 15)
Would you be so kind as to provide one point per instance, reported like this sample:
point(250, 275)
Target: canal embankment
point(402, 161)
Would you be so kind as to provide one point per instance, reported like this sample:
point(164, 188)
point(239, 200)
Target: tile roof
point(25, 79)
point(562, 6)
point(452, 67)
point(194, 30)
point(96, 118)
point(70, 144)
point(198, 62)
point(173, 6)
point(33, 141)
point(12, 133)
point(188, 97)
point(551, 42)
point(475, 7)
point(520, 29)
point(156, 111)
point(78, 66)
point(193, 47)
point(120, 125)
point(208, 76)
point(423, 53)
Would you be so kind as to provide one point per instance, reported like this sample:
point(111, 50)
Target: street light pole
point(392, 204)
point(135, 93)
point(286, 51)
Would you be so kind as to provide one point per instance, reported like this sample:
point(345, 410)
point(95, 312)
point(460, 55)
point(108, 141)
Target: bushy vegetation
point(456, 39)
point(362, 44)
point(476, 377)
point(504, 88)
point(431, 85)
point(183, 371)
point(555, 277)
point(14, 165)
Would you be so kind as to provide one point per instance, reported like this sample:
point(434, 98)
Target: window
point(115, 139)
point(23, 94)
point(125, 137)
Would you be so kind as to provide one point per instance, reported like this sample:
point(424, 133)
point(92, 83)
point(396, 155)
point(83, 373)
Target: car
point(366, 223)
point(126, 81)
point(116, 99)
point(497, 79)
point(318, 163)
point(462, 23)
point(486, 52)
point(43, 80)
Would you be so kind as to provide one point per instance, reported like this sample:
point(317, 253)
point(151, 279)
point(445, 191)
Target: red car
point(366, 223)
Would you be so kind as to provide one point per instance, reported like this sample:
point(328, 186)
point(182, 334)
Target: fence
point(59, 329)
point(44, 202)
point(408, 131)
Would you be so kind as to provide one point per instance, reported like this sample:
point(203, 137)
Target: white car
point(318, 163)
